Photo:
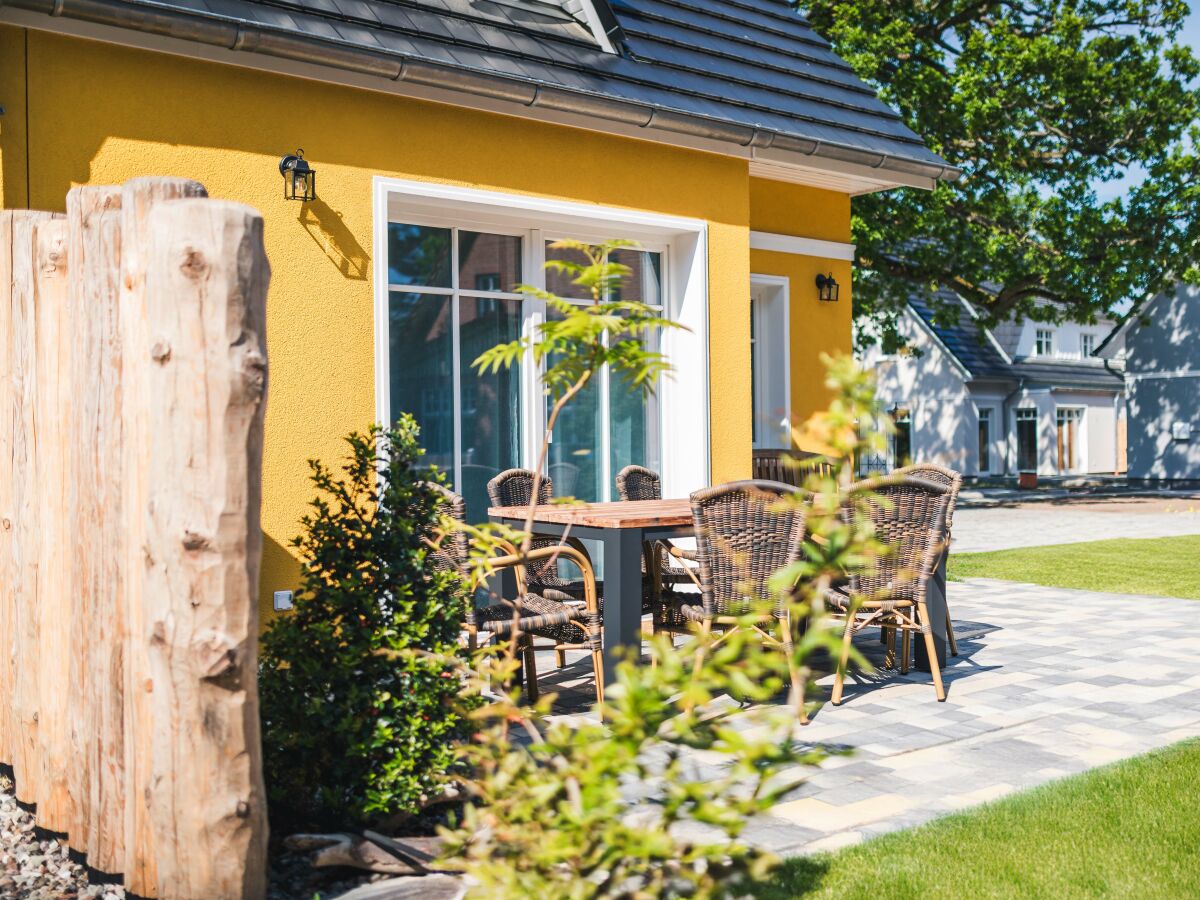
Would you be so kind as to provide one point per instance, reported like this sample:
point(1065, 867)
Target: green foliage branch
point(1041, 104)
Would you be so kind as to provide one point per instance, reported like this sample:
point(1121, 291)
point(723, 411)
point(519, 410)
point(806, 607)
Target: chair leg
point(529, 661)
point(950, 632)
point(560, 657)
point(905, 650)
point(889, 659)
point(931, 651)
point(785, 626)
point(598, 666)
point(843, 662)
point(472, 638)
point(705, 628)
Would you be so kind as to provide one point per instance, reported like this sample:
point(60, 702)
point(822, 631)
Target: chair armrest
point(517, 560)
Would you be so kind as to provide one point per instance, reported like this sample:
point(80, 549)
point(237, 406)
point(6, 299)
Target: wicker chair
point(742, 538)
point(514, 487)
point(640, 483)
point(953, 480)
point(910, 516)
point(568, 625)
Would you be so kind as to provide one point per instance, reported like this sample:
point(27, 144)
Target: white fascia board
point(801, 246)
point(924, 326)
point(991, 337)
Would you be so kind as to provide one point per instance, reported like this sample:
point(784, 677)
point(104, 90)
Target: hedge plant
point(357, 683)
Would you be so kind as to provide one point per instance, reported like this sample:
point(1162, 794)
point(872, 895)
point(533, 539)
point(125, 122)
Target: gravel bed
point(33, 869)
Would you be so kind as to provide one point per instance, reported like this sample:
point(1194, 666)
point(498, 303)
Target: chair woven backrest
point(514, 487)
point(909, 515)
point(454, 548)
point(938, 475)
point(638, 483)
point(744, 535)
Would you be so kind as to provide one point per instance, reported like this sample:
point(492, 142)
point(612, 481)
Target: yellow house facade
point(439, 189)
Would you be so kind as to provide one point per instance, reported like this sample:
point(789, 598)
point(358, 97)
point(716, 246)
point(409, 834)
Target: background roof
point(962, 336)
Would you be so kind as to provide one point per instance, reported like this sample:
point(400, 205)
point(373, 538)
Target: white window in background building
point(1087, 344)
point(1044, 345)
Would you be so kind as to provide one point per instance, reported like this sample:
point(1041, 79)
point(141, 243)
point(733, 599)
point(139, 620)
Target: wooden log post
point(138, 197)
point(8, 647)
point(206, 280)
point(27, 511)
point(56, 527)
point(97, 667)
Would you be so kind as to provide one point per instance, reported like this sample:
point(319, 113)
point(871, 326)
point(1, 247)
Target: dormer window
point(1087, 345)
point(1044, 345)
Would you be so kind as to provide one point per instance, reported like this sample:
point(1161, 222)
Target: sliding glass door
point(451, 295)
point(450, 298)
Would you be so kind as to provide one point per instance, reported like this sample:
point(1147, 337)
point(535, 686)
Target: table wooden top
point(624, 514)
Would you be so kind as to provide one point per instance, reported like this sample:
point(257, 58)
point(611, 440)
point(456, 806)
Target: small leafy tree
point(353, 729)
point(613, 806)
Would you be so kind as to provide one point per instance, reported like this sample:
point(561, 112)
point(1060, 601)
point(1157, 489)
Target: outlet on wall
point(283, 601)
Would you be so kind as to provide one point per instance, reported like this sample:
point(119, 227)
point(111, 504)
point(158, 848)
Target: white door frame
point(777, 293)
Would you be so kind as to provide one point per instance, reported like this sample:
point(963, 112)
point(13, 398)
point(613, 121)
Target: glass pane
point(643, 284)
point(574, 462)
point(559, 283)
point(488, 262)
point(422, 379)
point(418, 255)
point(491, 404)
point(628, 444)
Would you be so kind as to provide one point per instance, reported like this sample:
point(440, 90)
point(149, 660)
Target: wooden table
point(620, 528)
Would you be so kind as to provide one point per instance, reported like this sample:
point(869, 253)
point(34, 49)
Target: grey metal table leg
point(622, 596)
point(935, 604)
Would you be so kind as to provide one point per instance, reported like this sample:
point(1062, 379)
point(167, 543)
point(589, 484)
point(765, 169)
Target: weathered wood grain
point(55, 528)
point(207, 386)
point(27, 512)
point(96, 722)
point(8, 646)
point(139, 196)
point(625, 514)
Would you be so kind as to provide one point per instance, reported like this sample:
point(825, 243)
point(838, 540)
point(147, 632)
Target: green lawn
point(1165, 567)
point(1127, 830)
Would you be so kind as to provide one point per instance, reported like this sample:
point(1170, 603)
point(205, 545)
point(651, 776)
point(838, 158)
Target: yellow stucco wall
point(99, 113)
point(815, 326)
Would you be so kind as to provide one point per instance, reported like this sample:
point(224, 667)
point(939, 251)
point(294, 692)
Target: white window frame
point(774, 346)
point(1080, 412)
point(1086, 337)
point(1037, 342)
point(682, 397)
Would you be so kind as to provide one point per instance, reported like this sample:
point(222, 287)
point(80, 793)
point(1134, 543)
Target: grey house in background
point(1158, 345)
point(1025, 397)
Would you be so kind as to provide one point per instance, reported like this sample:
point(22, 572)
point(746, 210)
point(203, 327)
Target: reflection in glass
point(560, 283)
point(491, 403)
point(488, 262)
point(422, 380)
point(418, 255)
point(643, 284)
point(627, 427)
point(574, 462)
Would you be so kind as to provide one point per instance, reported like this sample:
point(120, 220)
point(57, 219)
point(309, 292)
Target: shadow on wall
point(280, 571)
point(325, 226)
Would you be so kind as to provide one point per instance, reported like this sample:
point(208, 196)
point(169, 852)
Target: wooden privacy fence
point(132, 389)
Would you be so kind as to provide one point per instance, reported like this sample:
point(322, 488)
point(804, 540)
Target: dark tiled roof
point(962, 336)
point(751, 71)
point(1066, 373)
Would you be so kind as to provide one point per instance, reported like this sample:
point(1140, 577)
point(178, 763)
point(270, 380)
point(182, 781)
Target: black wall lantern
point(827, 288)
point(299, 179)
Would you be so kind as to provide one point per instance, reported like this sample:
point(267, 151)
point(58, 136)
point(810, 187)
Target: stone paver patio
point(1050, 682)
point(1073, 521)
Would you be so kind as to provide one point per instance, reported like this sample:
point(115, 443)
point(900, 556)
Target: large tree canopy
point(1040, 103)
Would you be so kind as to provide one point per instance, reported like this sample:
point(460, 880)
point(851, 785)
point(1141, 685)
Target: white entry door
point(769, 362)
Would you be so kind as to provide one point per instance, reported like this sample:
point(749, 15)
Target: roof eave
point(876, 170)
